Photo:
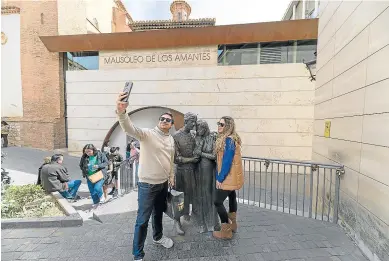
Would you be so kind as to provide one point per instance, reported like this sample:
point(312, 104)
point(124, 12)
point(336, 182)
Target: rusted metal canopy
point(185, 37)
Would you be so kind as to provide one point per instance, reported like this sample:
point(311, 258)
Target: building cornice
point(10, 10)
point(279, 31)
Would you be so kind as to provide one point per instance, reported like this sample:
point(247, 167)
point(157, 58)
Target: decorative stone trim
point(10, 10)
point(4, 38)
point(169, 24)
point(175, 2)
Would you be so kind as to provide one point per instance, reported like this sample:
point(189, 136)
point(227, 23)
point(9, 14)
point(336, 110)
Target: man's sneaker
point(165, 242)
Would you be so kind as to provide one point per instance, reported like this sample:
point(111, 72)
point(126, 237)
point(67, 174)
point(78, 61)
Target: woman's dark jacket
point(102, 162)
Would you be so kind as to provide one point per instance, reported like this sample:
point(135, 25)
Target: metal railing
point(126, 177)
point(301, 188)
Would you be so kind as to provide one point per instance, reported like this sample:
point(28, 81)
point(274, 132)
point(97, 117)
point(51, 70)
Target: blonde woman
point(229, 175)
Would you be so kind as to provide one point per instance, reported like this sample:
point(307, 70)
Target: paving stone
point(267, 235)
point(10, 255)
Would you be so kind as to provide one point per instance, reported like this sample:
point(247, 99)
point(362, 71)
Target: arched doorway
point(146, 117)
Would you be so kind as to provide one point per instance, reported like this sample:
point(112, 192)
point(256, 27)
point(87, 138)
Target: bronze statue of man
point(185, 164)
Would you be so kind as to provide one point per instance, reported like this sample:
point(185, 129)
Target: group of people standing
point(208, 170)
point(53, 176)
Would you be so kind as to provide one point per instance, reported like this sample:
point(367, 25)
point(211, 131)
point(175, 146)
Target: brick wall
point(42, 125)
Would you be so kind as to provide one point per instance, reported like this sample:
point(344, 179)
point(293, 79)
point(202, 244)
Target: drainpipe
point(65, 68)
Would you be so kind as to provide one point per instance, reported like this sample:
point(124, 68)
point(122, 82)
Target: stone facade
point(352, 91)
point(42, 124)
point(173, 57)
point(272, 103)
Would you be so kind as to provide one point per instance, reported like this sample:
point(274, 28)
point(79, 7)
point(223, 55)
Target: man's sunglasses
point(220, 124)
point(168, 120)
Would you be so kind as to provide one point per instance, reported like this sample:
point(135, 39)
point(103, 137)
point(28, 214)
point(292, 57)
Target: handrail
point(302, 163)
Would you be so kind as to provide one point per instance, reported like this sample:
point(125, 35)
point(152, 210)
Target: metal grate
point(271, 55)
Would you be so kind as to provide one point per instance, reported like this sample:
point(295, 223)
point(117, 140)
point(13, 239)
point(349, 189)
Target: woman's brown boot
point(234, 225)
point(224, 233)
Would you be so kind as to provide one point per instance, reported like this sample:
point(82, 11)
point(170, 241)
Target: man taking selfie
point(155, 173)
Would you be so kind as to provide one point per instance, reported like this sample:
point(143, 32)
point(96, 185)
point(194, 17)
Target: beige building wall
point(272, 104)
point(352, 91)
point(100, 11)
point(80, 16)
point(72, 17)
point(172, 57)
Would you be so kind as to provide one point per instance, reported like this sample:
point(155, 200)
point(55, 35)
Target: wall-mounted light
point(311, 67)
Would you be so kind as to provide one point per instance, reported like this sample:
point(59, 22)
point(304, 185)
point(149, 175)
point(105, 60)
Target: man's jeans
point(151, 199)
point(136, 166)
point(72, 191)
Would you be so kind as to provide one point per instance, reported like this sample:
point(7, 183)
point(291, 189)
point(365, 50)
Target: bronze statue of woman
point(204, 209)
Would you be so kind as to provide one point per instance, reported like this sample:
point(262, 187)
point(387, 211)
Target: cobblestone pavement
point(263, 235)
point(29, 160)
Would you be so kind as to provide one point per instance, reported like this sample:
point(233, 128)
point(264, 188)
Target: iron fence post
point(313, 168)
point(339, 172)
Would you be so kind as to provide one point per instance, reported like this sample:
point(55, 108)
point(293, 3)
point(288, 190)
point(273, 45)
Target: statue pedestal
point(193, 226)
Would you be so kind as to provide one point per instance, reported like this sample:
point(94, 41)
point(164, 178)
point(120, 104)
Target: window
point(305, 50)
point(267, 53)
point(82, 61)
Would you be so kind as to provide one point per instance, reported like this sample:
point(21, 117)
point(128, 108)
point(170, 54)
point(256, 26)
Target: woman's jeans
point(73, 186)
point(221, 195)
point(151, 200)
point(96, 190)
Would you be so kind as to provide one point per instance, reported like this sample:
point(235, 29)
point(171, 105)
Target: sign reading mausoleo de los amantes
point(198, 56)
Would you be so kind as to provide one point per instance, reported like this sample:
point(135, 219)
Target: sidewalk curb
point(72, 218)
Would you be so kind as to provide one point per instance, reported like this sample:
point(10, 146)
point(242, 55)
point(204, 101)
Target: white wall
point(11, 76)
point(272, 103)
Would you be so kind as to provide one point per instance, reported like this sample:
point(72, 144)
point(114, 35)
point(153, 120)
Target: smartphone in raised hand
point(127, 89)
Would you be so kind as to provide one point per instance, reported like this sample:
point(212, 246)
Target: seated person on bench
point(55, 177)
